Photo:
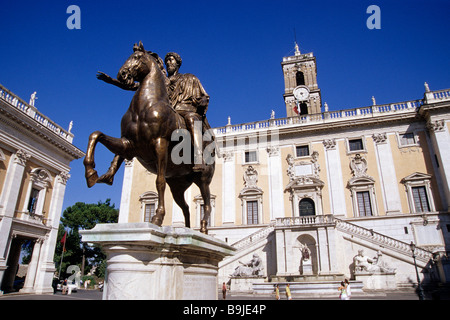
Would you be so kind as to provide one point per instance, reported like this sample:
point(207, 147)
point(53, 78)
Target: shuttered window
point(252, 212)
point(364, 206)
point(149, 212)
point(420, 198)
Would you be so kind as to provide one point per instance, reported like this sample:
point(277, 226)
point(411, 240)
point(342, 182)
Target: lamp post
point(419, 286)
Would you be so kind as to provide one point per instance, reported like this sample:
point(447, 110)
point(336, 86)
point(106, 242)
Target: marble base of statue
point(147, 262)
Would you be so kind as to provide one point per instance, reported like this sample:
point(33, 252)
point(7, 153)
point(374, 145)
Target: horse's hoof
point(203, 228)
point(106, 179)
point(156, 220)
point(91, 178)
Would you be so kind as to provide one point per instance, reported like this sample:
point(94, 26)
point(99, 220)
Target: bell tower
point(301, 92)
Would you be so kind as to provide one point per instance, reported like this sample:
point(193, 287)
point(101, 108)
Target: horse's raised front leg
point(108, 177)
point(161, 148)
point(119, 146)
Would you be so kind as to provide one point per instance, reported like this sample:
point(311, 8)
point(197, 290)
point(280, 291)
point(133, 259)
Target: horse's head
point(138, 65)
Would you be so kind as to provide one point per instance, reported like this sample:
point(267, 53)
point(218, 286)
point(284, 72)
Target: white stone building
point(35, 154)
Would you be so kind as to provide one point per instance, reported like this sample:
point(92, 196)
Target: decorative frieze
point(21, 157)
point(436, 126)
point(63, 177)
point(379, 138)
point(358, 165)
point(329, 144)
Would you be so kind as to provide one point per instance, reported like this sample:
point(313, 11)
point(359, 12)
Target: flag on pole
point(63, 241)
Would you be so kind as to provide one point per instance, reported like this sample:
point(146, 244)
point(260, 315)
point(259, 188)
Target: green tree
point(82, 216)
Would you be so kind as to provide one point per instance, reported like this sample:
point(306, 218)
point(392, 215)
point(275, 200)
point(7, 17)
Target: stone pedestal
point(244, 284)
point(377, 281)
point(148, 262)
point(306, 267)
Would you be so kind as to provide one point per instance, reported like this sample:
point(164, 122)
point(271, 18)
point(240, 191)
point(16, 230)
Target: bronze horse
point(146, 131)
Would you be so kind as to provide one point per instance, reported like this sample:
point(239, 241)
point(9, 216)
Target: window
point(364, 206)
point(250, 156)
point(420, 198)
point(34, 196)
point(200, 210)
point(302, 151)
point(306, 207)
point(407, 139)
point(252, 212)
point(36, 193)
point(149, 203)
point(303, 108)
point(418, 191)
point(355, 145)
point(300, 78)
point(149, 211)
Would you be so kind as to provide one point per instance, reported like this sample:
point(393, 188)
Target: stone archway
point(308, 264)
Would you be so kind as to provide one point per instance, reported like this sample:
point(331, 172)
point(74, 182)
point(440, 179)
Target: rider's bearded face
point(171, 65)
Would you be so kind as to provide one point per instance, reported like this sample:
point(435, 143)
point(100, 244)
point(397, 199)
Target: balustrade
point(32, 112)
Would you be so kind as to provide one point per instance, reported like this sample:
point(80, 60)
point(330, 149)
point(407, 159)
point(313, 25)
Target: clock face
point(301, 93)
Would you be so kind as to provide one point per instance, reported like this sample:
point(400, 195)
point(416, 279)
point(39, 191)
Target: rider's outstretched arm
point(117, 83)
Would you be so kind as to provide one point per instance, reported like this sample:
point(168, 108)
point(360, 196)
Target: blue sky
point(234, 47)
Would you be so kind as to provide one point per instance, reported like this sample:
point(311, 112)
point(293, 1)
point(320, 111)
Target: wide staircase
point(350, 231)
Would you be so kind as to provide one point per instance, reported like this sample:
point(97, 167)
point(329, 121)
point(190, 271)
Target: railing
point(381, 239)
point(32, 112)
point(329, 116)
point(358, 231)
point(341, 225)
point(441, 94)
point(305, 221)
point(254, 237)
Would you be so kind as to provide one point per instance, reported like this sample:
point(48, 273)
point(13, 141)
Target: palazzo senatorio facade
point(372, 178)
point(35, 154)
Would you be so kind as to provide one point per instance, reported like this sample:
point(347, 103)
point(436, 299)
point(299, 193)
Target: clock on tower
point(301, 92)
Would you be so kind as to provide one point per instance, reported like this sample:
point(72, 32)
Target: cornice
point(13, 118)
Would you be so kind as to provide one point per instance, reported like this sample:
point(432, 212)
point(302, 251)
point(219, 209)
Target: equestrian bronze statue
point(162, 108)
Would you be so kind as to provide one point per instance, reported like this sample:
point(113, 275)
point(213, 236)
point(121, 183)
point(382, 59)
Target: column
point(334, 175)
point(32, 268)
point(8, 203)
point(275, 183)
point(440, 140)
point(388, 177)
point(124, 210)
point(44, 274)
point(228, 187)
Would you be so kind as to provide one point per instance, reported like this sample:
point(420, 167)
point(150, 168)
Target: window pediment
point(304, 182)
point(417, 177)
point(148, 195)
point(360, 181)
point(250, 192)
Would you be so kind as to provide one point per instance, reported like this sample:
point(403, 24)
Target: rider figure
point(187, 96)
point(190, 100)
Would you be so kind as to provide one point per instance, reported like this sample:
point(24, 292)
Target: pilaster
point(440, 140)
point(386, 168)
point(229, 188)
point(275, 183)
point(335, 178)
